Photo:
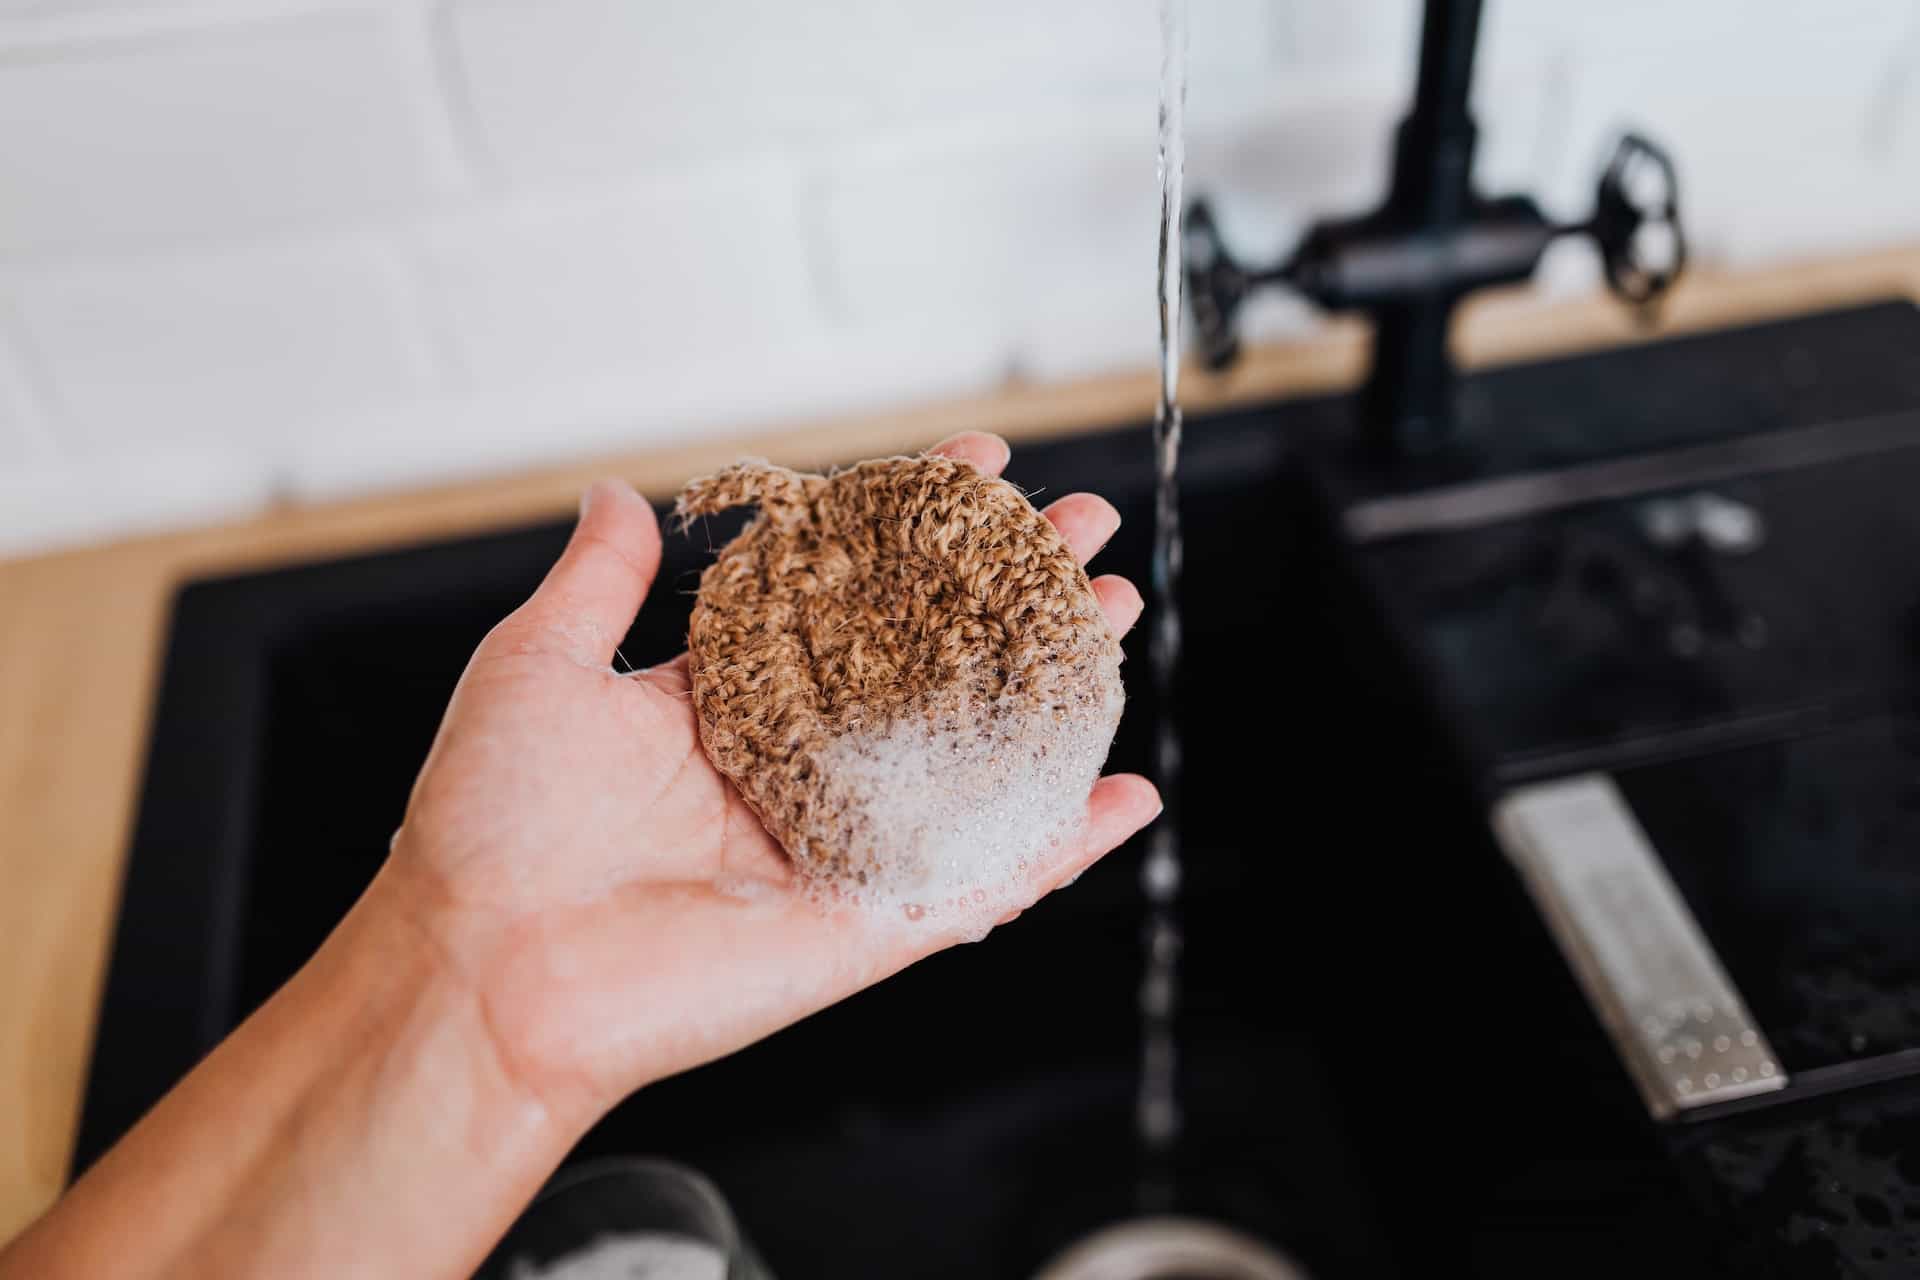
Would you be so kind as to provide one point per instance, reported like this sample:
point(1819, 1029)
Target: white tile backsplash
point(566, 89)
point(995, 235)
point(203, 136)
point(321, 246)
point(642, 280)
point(57, 502)
point(1369, 38)
point(234, 353)
point(24, 439)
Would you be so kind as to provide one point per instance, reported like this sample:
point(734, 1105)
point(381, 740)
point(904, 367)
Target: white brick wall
point(200, 134)
point(179, 352)
point(263, 247)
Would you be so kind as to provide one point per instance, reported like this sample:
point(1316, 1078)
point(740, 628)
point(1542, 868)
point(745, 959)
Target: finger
point(1120, 600)
point(1121, 804)
point(1086, 521)
point(591, 594)
point(988, 453)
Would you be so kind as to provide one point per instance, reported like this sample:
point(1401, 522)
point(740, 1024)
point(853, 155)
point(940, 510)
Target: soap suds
point(650, 1256)
point(905, 671)
point(948, 815)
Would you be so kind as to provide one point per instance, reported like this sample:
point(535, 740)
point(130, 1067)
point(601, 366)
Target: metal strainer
point(1170, 1249)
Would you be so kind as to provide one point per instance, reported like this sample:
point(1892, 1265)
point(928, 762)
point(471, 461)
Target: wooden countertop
point(81, 631)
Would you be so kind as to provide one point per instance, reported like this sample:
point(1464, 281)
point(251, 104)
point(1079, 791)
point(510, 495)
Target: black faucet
point(1432, 241)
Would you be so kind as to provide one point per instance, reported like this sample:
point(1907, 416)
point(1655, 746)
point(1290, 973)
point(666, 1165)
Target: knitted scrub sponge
point(902, 668)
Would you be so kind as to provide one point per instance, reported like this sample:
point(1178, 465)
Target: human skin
point(561, 921)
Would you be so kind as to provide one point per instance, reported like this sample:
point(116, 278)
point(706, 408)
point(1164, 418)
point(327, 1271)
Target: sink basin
point(1387, 1068)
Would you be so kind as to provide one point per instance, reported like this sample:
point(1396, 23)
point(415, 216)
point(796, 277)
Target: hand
point(562, 921)
point(579, 864)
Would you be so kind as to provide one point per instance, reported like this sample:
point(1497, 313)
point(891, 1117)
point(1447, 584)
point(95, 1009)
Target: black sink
point(1387, 1067)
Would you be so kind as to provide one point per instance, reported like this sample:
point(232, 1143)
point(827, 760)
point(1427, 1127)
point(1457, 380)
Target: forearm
point(361, 1122)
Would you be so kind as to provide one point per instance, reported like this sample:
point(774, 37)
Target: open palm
point(618, 910)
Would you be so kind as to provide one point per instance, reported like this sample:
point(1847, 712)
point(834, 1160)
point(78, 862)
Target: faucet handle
point(1636, 224)
point(1397, 260)
point(1216, 285)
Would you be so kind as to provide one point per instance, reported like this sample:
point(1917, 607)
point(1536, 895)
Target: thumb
point(591, 594)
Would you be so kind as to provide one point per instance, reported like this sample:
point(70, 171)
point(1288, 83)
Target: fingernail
point(597, 493)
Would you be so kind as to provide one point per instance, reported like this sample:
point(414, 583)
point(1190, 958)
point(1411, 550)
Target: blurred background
point(257, 250)
point(1655, 612)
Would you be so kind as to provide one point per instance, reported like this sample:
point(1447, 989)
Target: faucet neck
point(1433, 148)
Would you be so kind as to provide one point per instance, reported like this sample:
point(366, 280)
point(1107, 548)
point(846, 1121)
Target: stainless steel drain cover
point(1652, 976)
point(1170, 1249)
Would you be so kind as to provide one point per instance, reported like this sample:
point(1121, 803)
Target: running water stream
point(1158, 1113)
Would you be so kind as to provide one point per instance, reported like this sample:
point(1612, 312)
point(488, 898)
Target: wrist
point(397, 1088)
point(361, 1122)
point(408, 949)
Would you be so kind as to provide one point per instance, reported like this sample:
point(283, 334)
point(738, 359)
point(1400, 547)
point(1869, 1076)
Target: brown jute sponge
point(898, 593)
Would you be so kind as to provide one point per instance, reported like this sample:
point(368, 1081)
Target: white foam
point(953, 815)
point(649, 1256)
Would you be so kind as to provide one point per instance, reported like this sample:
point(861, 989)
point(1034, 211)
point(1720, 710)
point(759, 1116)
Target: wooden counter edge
point(81, 630)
